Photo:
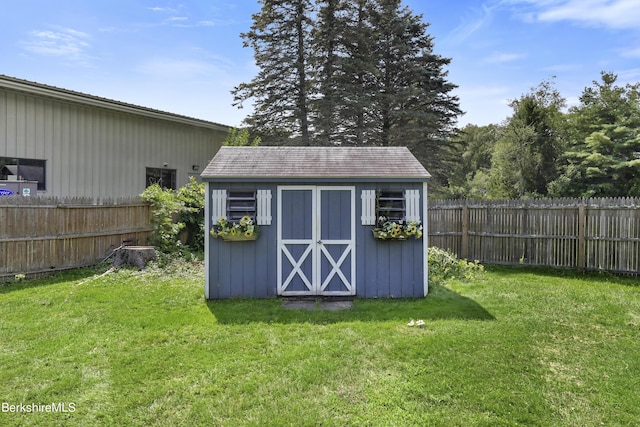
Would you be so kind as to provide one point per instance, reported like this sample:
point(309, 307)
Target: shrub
point(165, 207)
point(175, 212)
point(192, 213)
point(445, 265)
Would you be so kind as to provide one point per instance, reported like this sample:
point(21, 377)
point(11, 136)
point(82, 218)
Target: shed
point(315, 221)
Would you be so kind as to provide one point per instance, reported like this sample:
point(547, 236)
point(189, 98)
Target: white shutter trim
point(263, 214)
point(412, 198)
point(368, 216)
point(218, 205)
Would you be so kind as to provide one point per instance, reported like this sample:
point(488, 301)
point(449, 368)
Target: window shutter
point(263, 214)
point(218, 204)
point(413, 205)
point(368, 207)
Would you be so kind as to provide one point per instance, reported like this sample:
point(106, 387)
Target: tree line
point(364, 73)
point(591, 149)
point(349, 72)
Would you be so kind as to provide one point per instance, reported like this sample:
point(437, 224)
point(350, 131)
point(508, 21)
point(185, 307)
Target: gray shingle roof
point(315, 162)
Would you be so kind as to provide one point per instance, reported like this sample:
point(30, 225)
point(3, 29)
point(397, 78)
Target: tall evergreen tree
point(280, 38)
point(365, 75)
point(343, 41)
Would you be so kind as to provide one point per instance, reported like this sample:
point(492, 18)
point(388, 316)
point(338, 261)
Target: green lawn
point(516, 347)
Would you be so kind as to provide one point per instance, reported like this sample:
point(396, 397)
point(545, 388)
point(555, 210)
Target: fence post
point(582, 241)
point(464, 244)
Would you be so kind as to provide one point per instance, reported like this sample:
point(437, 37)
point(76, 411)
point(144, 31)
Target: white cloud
point(631, 52)
point(159, 9)
point(484, 104)
point(469, 26)
point(616, 14)
point(61, 42)
point(177, 19)
point(501, 57)
point(629, 76)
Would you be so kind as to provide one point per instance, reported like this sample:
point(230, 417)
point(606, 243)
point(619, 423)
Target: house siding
point(93, 151)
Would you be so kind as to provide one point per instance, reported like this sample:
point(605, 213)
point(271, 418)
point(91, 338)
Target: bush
point(165, 207)
point(445, 265)
point(192, 214)
point(175, 212)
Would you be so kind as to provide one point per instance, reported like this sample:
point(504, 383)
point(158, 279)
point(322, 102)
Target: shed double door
point(316, 240)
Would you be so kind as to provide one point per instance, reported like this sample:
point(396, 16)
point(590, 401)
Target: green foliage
point(175, 212)
point(245, 227)
point(241, 138)
point(444, 265)
point(469, 176)
point(279, 37)
point(191, 197)
point(526, 156)
point(165, 207)
point(602, 160)
point(350, 73)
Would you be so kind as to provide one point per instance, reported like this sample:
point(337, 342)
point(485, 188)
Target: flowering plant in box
point(234, 230)
point(397, 230)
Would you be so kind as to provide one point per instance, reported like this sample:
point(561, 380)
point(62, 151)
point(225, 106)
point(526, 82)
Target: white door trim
point(349, 249)
point(282, 248)
point(316, 248)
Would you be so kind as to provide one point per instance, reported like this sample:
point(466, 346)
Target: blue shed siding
point(383, 268)
point(388, 268)
point(243, 269)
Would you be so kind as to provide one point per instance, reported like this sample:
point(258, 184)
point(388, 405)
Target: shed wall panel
point(248, 269)
point(243, 269)
point(388, 268)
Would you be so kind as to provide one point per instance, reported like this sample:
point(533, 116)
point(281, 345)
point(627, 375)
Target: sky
point(186, 56)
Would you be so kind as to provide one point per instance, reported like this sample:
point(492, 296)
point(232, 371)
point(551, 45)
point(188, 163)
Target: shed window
point(395, 205)
point(391, 205)
point(241, 203)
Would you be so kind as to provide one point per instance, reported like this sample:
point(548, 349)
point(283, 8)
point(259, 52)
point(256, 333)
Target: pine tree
point(365, 75)
point(342, 41)
point(412, 101)
point(279, 38)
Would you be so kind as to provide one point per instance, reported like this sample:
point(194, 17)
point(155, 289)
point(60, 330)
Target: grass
point(516, 347)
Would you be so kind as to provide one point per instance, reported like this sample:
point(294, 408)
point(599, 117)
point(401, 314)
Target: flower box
point(239, 237)
point(243, 231)
point(401, 230)
point(381, 235)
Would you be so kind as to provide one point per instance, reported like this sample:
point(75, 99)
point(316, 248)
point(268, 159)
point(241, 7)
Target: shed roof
point(315, 162)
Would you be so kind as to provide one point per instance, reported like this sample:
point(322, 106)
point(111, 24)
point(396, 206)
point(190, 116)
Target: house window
point(390, 205)
point(16, 169)
point(165, 178)
point(241, 203)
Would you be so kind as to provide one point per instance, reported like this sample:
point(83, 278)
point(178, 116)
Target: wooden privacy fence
point(592, 234)
point(39, 235)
